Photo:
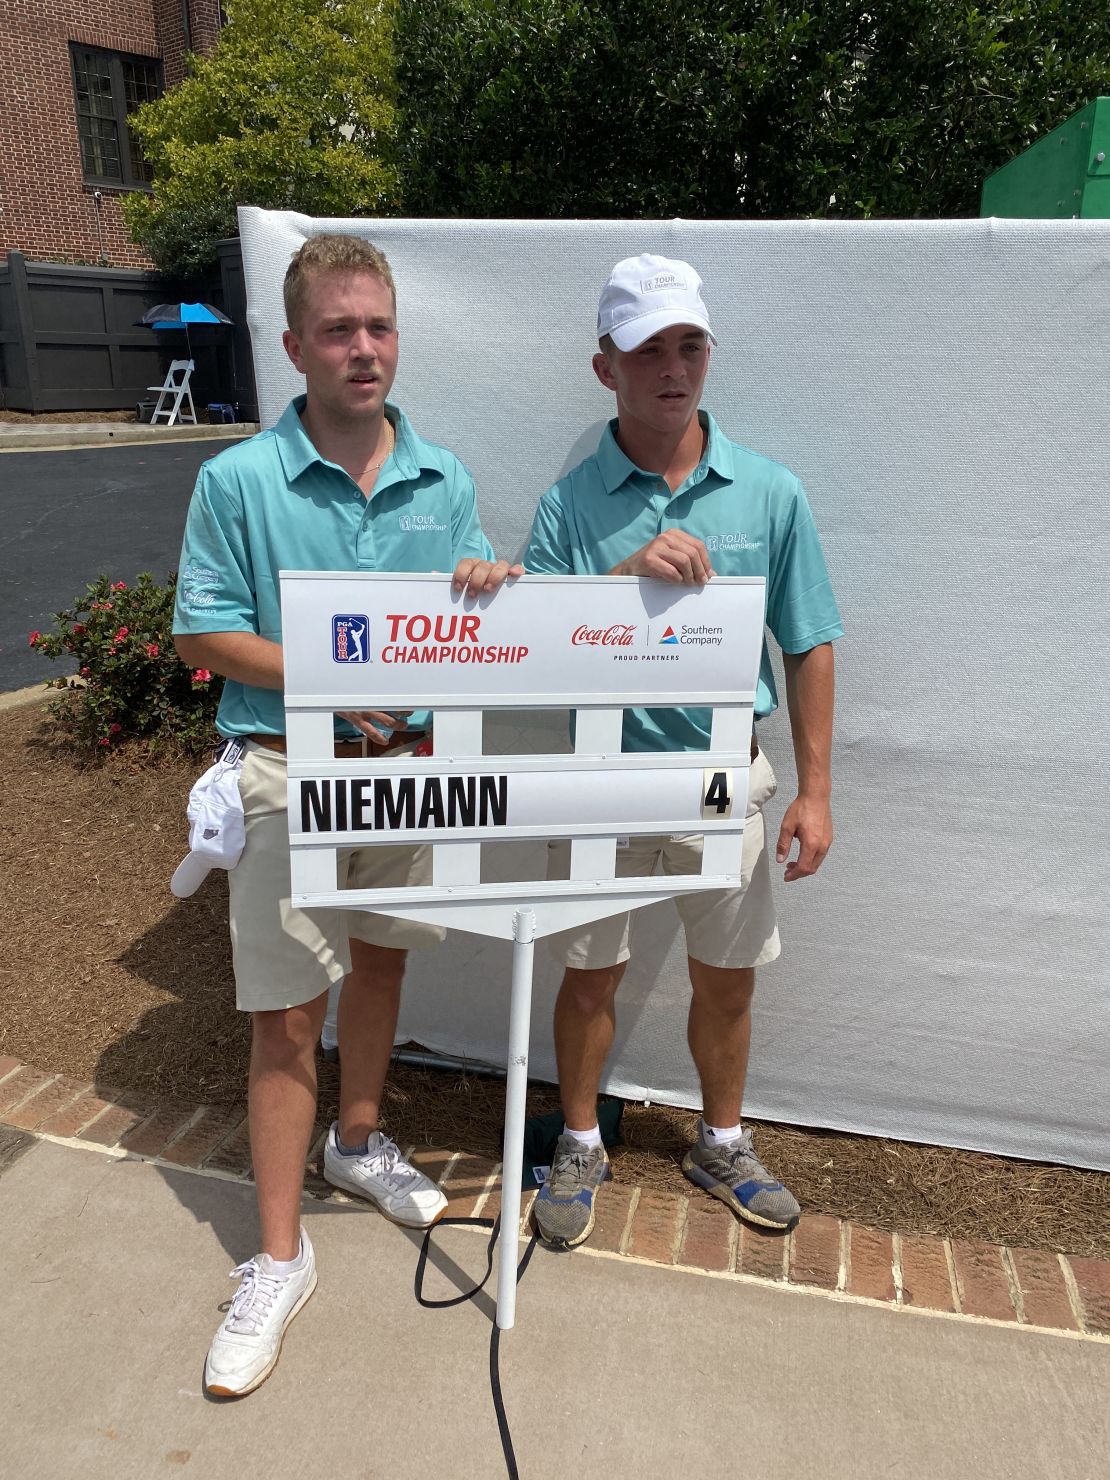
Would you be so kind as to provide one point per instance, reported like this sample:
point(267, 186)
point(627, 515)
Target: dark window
point(108, 87)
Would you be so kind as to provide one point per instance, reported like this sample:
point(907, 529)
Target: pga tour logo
point(350, 638)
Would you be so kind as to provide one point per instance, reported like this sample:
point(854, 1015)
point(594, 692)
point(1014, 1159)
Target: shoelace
point(732, 1153)
point(571, 1162)
point(385, 1162)
point(252, 1301)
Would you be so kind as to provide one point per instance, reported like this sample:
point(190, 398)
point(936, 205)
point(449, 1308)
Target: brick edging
point(1028, 1287)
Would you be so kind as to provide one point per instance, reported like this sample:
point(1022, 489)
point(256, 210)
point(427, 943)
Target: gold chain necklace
point(391, 440)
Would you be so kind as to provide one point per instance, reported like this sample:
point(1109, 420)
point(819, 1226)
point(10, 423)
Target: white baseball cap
point(647, 293)
point(216, 828)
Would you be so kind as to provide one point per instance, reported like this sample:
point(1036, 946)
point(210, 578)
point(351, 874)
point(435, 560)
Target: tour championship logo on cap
point(350, 638)
point(668, 639)
point(664, 282)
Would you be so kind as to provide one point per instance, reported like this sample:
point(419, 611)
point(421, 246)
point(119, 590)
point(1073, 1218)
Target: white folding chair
point(175, 388)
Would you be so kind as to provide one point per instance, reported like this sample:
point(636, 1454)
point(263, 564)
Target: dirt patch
point(107, 978)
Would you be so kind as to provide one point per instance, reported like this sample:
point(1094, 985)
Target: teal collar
point(616, 468)
point(298, 452)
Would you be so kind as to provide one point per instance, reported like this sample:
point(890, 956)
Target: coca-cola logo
point(618, 635)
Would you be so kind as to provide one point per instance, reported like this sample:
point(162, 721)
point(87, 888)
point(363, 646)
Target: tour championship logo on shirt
point(350, 638)
point(736, 540)
point(421, 524)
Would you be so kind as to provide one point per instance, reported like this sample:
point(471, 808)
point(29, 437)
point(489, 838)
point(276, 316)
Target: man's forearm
point(243, 656)
point(810, 695)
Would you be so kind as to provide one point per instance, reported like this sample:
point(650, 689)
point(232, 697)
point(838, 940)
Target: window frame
point(127, 179)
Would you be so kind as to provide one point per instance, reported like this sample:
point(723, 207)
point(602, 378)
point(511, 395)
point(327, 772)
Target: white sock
point(712, 1133)
point(285, 1267)
point(591, 1138)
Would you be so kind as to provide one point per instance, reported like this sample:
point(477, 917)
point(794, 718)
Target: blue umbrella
point(181, 315)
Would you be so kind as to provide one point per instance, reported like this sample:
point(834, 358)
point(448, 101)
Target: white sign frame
point(528, 626)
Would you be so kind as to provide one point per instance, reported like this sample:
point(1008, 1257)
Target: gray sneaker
point(731, 1171)
point(564, 1209)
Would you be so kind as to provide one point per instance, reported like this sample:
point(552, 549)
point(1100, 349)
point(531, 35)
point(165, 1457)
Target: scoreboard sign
point(412, 642)
point(487, 804)
point(596, 645)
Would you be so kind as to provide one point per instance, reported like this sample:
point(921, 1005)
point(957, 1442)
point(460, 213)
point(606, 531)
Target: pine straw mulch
point(108, 979)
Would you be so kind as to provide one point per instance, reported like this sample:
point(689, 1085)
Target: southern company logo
point(668, 639)
point(350, 638)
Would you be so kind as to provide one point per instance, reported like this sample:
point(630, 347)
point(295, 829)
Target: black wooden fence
point(70, 337)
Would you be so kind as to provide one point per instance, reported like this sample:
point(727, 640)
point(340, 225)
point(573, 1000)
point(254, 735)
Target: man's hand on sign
point(672, 556)
point(478, 577)
point(365, 720)
point(809, 819)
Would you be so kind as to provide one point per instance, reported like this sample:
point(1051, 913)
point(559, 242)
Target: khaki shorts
point(724, 927)
point(284, 956)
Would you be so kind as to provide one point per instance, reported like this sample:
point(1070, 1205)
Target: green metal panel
point(1066, 174)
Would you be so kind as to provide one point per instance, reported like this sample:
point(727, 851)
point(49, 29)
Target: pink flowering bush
point(131, 683)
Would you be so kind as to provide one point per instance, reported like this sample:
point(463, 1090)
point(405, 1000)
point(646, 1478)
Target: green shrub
point(130, 683)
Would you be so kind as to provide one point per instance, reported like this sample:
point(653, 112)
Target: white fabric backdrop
point(942, 389)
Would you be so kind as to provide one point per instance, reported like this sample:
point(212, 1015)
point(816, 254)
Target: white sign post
point(594, 644)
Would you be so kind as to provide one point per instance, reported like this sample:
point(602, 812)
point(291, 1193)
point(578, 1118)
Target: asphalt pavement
point(72, 515)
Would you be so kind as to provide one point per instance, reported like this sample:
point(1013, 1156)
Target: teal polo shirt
point(273, 503)
point(753, 517)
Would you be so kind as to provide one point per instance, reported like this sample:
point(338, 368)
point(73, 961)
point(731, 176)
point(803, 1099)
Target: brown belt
point(347, 748)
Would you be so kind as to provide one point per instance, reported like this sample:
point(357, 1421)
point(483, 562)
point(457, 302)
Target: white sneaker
point(245, 1349)
point(382, 1175)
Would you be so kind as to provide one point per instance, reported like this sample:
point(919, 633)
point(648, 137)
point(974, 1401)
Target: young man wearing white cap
point(333, 486)
point(666, 495)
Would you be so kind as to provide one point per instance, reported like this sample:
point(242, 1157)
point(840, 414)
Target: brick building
point(72, 72)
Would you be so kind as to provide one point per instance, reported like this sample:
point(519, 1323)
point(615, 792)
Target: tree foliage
point(727, 108)
point(292, 111)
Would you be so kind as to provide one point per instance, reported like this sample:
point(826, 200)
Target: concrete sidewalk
point(46, 436)
point(115, 1272)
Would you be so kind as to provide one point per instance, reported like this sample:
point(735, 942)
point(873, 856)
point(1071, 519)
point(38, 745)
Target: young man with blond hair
point(666, 495)
point(332, 486)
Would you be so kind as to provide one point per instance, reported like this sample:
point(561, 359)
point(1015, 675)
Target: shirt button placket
point(364, 540)
point(666, 498)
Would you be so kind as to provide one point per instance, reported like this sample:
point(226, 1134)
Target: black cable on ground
point(494, 1224)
